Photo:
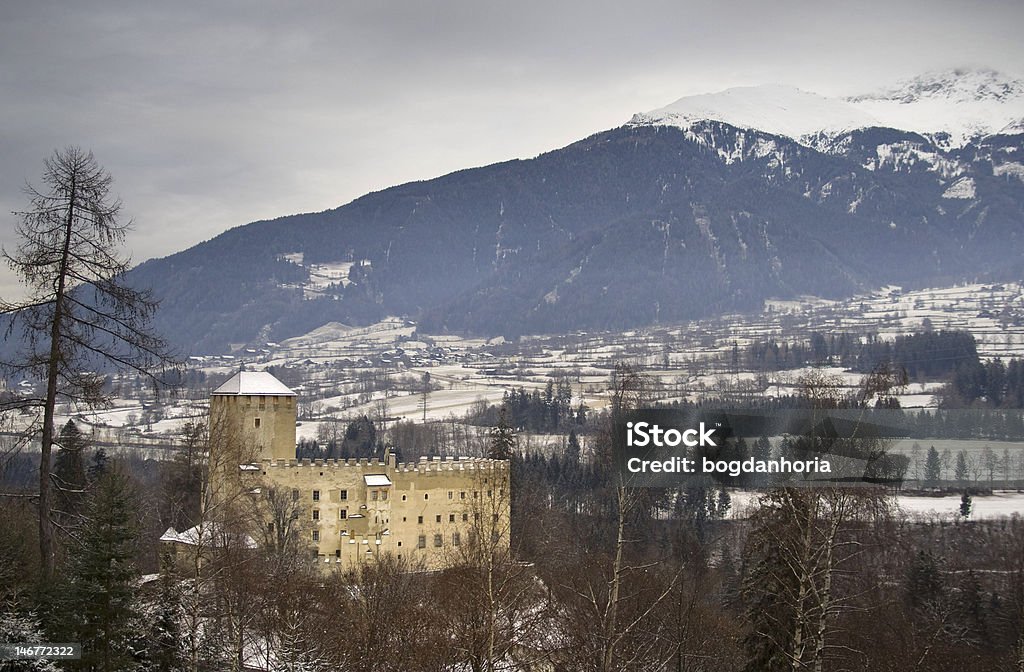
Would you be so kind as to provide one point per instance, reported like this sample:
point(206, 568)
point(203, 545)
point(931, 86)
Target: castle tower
point(254, 414)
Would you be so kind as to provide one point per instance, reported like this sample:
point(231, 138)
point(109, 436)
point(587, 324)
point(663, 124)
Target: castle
point(430, 513)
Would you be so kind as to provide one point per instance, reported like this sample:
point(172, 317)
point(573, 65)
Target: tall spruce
point(503, 439)
point(69, 470)
point(100, 600)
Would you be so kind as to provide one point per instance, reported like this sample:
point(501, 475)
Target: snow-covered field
point(999, 504)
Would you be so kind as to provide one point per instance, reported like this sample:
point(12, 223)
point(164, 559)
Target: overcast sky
point(214, 114)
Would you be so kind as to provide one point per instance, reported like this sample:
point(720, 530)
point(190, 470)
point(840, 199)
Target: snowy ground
point(999, 504)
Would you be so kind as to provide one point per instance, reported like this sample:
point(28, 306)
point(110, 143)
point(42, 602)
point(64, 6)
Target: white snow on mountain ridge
point(949, 107)
point(771, 108)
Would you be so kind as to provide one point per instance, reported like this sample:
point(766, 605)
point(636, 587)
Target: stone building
point(431, 513)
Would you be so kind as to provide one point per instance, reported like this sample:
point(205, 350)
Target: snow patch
point(1011, 169)
point(962, 188)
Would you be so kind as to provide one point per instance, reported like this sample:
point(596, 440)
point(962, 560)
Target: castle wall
point(427, 515)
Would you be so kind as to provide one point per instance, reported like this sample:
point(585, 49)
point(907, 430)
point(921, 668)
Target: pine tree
point(100, 599)
point(965, 504)
point(164, 638)
point(961, 467)
point(925, 583)
point(23, 629)
point(69, 469)
point(503, 439)
point(98, 467)
point(932, 467)
point(573, 448)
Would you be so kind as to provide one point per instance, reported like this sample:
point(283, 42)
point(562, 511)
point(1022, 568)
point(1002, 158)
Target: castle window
point(343, 495)
point(256, 423)
point(456, 539)
point(420, 520)
point(337, 552)
point(316, 535)
point(343, 514)
point(462, 495)
point(295, 494)
point(422, 542)
point(438, 540)
point(490, 493)
point(451, 517)
point(316, 495)
point(373, 495)
point(403, 498)
point(426, 496)
point(316, 514)
point(263, 403)
point(451, 494)
point(476, 493)
point(383, 494)
point(465, 517)
point(270, 528)
point(399, 545)
point(438, 519)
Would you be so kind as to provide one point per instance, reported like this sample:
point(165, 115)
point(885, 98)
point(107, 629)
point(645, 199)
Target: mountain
point(950, 107)
point(709, 205)
point(780, 110)
point(960, 104)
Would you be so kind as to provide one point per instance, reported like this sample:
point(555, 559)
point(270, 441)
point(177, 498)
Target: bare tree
point(79, 313)
point(490, 588)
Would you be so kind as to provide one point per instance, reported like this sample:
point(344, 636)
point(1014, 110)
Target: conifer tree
point(503, 439)
point(961, 467)
point(100, 595)
point(69, 469)
point(965, 504)
point(164, 638)
point(932, 467)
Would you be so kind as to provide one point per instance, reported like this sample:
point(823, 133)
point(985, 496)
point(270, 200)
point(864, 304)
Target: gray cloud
point(211, 115)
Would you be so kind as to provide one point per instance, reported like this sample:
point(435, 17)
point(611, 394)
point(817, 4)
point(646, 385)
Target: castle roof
point(254, 383)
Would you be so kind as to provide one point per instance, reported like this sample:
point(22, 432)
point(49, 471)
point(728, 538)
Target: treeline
point(993, 385)
point(359, 440)
point(930, 354)
point(537, 412)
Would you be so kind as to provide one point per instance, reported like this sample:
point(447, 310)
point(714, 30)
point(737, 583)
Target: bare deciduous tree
point(79, 313)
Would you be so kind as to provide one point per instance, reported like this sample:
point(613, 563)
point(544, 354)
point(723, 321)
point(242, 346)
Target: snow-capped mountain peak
point(771, 108)
point(952, 86)
point(961, 103)
point(951, 106)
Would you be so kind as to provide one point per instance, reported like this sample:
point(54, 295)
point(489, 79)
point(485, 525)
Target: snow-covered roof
point(207, 535)
point(376, 480)
point(254, 383)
